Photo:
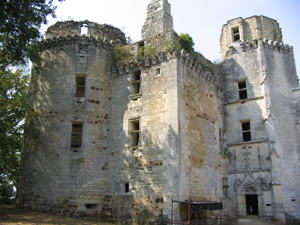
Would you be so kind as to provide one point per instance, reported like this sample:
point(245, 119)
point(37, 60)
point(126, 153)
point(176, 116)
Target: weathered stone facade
point(114, 140)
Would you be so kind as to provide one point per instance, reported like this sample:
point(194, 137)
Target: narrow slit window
point(126, 187)
point(242, 90)
point(225, 187)
point(141, 49)
point(79, 86)
point(236, 33)
point(76, 135)
point(157, 71)
point(246, 131)
point(222, 141)
point(135, 133)
point(135, 82)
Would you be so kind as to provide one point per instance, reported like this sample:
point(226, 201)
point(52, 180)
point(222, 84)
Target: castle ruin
point(113, 139)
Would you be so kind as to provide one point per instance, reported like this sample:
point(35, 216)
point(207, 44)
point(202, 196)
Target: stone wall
point(249, 29)
point(158, 19)
point(52, 170)
point(96, 30)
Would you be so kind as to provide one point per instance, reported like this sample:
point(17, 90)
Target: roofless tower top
point(158, 19)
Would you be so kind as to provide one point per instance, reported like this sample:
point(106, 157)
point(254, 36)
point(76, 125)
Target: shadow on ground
point(9, 215)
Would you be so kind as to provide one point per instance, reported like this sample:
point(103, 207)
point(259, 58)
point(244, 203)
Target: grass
point(9, 215)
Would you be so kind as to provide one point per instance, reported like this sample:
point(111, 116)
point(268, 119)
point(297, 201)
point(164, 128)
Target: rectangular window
point(157, 71)
point(222, 141)
point(76, 135)
point(225, 187)
point(126, 187)
point(236, 33)
point(79, 86)
point(242, 89)
point(135, 82)
point(141, 49)
point(246, 131)
point(134, 130)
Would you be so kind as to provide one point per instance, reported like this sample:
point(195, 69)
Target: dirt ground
point(12, 216)
point(252, 220)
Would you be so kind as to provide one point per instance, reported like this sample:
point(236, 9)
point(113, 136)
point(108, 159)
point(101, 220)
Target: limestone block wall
point(151, 169)
point(249, 29)
point(200, 121)
point(282, 81)
point(260, 163)
point(52, 171)
point(86, 28)
point(159, 18)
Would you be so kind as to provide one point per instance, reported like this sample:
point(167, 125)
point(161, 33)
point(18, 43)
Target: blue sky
point(201, 19)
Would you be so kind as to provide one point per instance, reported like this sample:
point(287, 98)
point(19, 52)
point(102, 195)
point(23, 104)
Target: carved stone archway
point(248, 186)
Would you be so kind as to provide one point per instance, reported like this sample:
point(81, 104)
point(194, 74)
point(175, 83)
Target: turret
point(158, 19)
point(249, 29)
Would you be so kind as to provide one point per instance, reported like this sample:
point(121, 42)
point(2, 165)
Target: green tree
point(186, 42)
point(13, 105)
point(20, 35)
point(20, 41)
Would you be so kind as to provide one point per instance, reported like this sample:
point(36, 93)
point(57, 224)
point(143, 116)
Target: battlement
point(268, 44)
point(85, 28)
point(89, 40)
point(252, 28)
point(200, 68)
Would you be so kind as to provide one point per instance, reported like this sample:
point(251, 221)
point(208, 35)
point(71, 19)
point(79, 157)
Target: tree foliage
point(20, 35)
point(13, 105)
point(186, 42)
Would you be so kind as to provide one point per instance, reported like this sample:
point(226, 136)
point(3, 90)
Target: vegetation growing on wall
point(122, 54)
point(186, 42)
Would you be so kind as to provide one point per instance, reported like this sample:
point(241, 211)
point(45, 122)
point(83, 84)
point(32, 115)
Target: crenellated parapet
point(190, 62)
point(267, 44)
point(277, 46)
point(78, 39)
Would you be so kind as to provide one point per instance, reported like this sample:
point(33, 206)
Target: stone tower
point(261, 94)
point(124, 138)
point(65, 145)
point(158, 19)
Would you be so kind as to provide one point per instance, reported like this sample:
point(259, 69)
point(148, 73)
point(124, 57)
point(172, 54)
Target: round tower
point(65, 144)
point(249, 29)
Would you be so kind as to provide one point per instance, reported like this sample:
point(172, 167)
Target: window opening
point(225, 187)
point(126, 186)
point(142, 49)
point(157, 71)
point(135, 133)
point(76, 135)
point(91, 206)
point(222, 141)
point(242, 90)
point(79, 86)
point(135, 82)
point(246, 131)
point(84, 30)
point(236, 33)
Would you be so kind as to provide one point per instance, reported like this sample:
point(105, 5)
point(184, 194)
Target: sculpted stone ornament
point(237, 184)
point(264, 72)
point(269, 113)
